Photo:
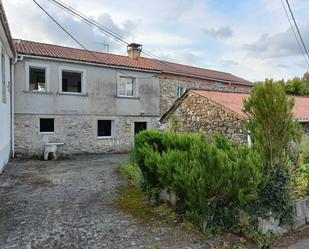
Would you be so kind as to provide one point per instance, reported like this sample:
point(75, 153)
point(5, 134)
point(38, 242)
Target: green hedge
point(201, 173)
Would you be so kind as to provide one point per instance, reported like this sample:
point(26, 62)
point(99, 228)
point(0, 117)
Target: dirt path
point(70, 204)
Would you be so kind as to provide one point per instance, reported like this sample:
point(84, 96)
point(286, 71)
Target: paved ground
point(70, 204)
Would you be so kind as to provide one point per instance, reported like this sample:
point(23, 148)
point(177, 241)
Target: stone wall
point(197, 113)
point(168, 88)
point(78, 132)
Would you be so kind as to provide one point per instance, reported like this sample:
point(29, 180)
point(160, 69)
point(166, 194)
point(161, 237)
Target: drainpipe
point(12, 107)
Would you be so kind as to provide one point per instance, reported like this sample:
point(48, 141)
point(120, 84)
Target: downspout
point(12, 107)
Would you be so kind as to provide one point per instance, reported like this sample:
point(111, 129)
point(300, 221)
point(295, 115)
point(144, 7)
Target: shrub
point(132, 172)
point(200, 173)
point(304, 150)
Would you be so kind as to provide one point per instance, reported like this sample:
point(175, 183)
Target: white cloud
point(251, 40)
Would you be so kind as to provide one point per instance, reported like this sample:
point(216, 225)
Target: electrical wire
point(105, 30)
point(294, 32)
point(300, 36)
point(80, 44)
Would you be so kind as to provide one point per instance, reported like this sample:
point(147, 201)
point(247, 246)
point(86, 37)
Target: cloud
point(219, 33)
point(43, 29)
point(280, 44)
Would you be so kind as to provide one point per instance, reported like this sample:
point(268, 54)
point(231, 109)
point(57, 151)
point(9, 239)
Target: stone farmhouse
point(96, 102)
point(218, 111)
point(6, 97)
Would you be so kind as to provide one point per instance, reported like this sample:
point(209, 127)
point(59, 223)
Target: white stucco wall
point(5, 113)
point(100, 88)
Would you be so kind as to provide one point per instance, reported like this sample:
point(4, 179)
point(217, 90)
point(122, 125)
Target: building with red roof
point(218, 111)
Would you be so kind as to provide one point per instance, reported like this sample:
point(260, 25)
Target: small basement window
point(47, 125)
point(37, 81)
point(105, 128)
point(71, 81)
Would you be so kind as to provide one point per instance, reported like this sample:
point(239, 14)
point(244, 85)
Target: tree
point(271, 123)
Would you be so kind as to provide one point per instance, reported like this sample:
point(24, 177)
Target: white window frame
point(46, 132)
point(47, 76)
point(177, 91)
point(73, 70)
point(135, 85)
point(112, 128)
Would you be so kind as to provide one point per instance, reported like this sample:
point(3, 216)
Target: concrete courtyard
point(71, 204)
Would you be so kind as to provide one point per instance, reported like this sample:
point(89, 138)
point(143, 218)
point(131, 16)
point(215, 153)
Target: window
point(3, 76)
point(72, 80)
point(180, 91)
point(105, 128)
point(126, 87)
point(37, 81)
point(47, 125)
point(37, 77)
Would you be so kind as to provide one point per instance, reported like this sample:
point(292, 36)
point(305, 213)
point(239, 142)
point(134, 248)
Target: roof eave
point(88, 63)
point(208, 78)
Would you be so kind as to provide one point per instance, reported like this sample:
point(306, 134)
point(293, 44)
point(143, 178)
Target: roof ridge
point(202, 68)
point(24, 46)
point(62, 46)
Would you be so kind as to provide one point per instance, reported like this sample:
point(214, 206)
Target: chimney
point(134, 50)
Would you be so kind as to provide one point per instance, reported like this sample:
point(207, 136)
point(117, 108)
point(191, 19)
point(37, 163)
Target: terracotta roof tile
point(60, 52)
point(234, 102)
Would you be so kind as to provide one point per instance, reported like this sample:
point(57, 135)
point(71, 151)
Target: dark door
point(139, 126)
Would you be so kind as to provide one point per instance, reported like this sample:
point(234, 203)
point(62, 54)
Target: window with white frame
point(127, 86)
point(72, 80)
point(105, 128)
point(37, 77)
point(3, 76)
point(180, 91)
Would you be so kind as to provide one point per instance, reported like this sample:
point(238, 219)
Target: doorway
point(139, 126)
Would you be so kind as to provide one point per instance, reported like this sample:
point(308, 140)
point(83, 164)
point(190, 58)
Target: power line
point(294, 32)
point(80, 44)
point(300, 36)
point(104, 29)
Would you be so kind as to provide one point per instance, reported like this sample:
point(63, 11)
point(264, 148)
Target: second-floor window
point(37, 81)
point(72, 80)
point(37, 77)
point(127, 86)
point(180, 91)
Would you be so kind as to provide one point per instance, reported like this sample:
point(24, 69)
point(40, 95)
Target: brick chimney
point(134, 50)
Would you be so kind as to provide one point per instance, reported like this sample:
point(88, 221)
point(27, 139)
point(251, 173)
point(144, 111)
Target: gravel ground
point(71, 204)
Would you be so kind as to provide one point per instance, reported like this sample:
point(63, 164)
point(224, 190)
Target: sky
point(249, 38)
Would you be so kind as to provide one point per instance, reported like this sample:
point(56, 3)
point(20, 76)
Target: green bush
point(304, 150)
point(200, 173)
point(132, 172)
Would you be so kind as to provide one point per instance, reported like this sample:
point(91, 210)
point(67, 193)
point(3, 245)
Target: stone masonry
point(197, 113)
point(78, 132)
point(168, 88)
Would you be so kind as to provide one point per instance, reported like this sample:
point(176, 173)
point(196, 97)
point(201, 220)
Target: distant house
point(96, 102)
point(6, 86)
point(215, 111)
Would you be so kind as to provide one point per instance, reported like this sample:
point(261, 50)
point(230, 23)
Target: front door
point(139, 126)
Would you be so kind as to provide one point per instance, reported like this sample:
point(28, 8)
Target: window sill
point(104, 138)
point(73, 94)
point(126, 97)
point(38, 92)
point(47, 132)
